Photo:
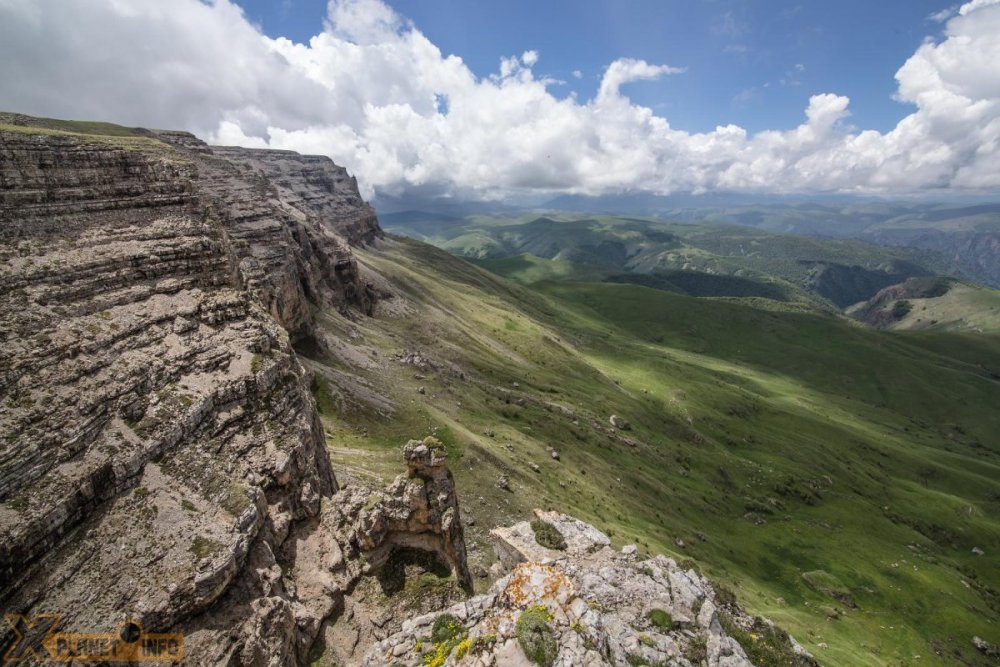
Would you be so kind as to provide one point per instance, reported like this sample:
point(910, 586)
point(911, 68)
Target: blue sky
point(753, 63)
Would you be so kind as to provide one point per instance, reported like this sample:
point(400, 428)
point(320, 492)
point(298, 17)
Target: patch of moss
point(536, 637)
point(17, 503)
point(236, 500)
point(660, 619)
point(325, 402)
point(202, 547)
point(548, 535)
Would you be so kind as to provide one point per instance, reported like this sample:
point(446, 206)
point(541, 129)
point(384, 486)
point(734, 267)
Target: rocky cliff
point(156, 423)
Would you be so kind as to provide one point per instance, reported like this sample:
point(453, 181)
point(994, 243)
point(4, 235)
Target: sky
point(501, 101)
point(749, 62)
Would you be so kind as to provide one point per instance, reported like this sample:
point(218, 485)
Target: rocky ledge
point(576, 601)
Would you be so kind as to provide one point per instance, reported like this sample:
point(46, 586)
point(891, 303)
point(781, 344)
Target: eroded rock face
point(419, 510)
point(315, 185)
point(159, 445)
point(274, 613)
point(601, 607)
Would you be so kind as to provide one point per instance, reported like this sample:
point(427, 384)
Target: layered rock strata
point(158, 441)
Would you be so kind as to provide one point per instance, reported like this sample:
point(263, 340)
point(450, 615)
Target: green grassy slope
point(837, 478)
point(96, 128)
point(964, 307)
point(933, 304)
point(527, 269)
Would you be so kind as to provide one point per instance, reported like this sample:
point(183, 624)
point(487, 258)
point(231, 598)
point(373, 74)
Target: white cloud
point(974, 5)
point(944, 14)
point(577, 74)
point(376, 95)
point(625, 70)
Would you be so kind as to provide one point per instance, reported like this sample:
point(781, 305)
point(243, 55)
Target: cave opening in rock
point(419, 568)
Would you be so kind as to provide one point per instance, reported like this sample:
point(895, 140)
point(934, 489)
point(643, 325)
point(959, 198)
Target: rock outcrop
point(287, 593)
point(315, 185)
point(159, 444)
point(419, 510)
point(584, 605)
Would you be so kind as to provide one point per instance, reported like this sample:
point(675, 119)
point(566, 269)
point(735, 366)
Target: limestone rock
point(619, 423)
point(599, 606)
point(417, 510)
point(985, 647)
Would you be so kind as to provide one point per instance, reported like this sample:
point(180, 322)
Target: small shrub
point(536, 637)
point(696, 651)
point(901, 308)
point(548, 535)
point(445, 627)
point(204, 546)
point(447, 634)
point(660, 619)
point(235, 499)
point(439, 656)
point(724, 597)
point(765, 645)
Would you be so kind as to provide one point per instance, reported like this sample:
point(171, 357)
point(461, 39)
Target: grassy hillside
point(835, 477)
point(933, 303)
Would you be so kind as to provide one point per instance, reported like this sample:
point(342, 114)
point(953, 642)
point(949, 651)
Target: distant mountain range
point(967, 233)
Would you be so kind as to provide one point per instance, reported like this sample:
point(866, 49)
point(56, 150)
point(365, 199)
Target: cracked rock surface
point(601, 606)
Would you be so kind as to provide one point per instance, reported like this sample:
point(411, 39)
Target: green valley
point(841, 481)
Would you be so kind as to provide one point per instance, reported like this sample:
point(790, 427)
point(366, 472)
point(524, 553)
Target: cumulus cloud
point(624, 70)
point(372, 92)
